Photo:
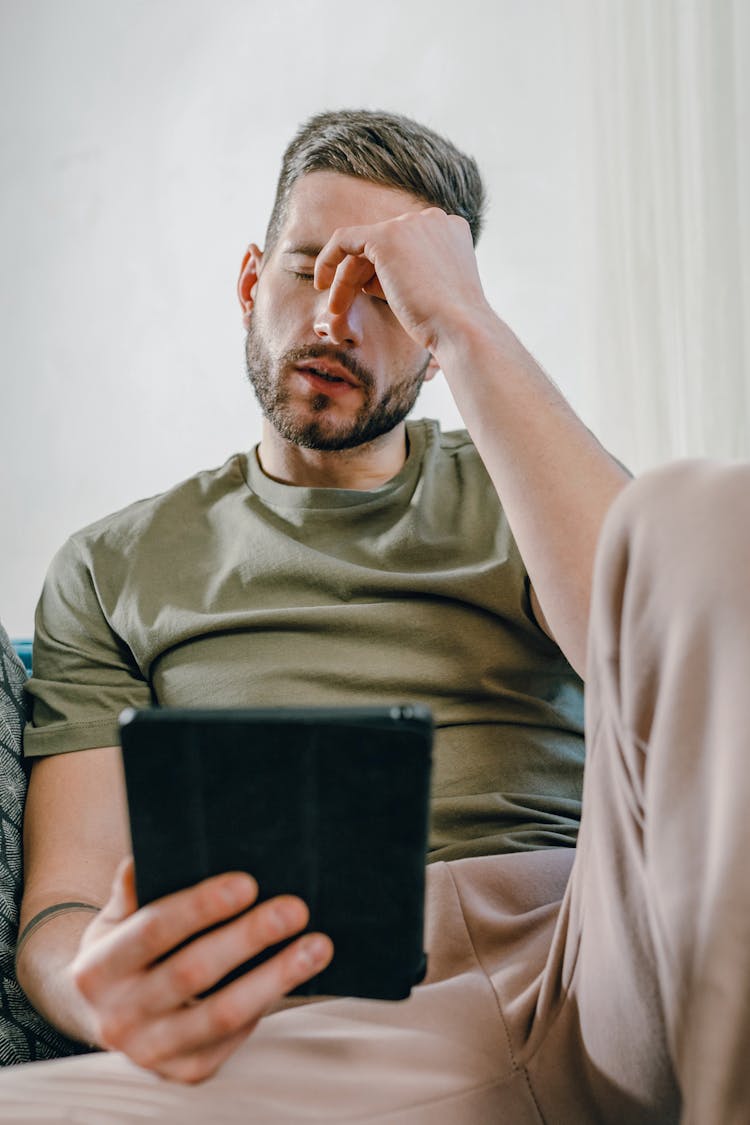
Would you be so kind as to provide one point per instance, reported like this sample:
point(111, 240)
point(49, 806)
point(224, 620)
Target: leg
point(656, 926)
point(439, 1058)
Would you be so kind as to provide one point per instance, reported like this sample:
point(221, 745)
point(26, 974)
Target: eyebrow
point(305, 249)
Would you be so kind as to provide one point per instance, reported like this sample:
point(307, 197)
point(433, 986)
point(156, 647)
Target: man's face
point(327, 382)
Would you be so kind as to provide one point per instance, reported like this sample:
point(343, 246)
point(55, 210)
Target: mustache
point(325, 351)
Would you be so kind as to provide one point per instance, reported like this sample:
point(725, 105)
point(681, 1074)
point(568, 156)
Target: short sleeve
point(84, 673)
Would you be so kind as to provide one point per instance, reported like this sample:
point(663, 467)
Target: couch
point(24, 1035)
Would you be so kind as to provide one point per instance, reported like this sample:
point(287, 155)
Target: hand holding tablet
point(331, 805)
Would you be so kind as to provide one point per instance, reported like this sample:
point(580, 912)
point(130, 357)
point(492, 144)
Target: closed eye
point(302, 276)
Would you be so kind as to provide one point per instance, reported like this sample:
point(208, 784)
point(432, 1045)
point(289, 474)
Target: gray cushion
point(24, 1035)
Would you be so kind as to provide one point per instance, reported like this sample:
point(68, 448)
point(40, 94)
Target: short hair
point(384, 148)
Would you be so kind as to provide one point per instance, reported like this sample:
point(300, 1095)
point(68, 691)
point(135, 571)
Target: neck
point(363, 468)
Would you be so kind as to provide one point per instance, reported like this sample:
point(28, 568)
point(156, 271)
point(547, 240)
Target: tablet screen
point(328, 804)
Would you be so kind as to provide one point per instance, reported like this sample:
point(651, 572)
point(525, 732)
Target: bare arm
point(555, 480)
point(75, 835)
point(98, 971)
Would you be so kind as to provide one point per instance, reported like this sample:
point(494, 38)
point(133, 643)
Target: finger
point(154, 930)
point(208, 959)
point(122, 900)
point(200, 1065)
point(237, 1005)
point(350, 278)
point(374, 288)
point(345, 242)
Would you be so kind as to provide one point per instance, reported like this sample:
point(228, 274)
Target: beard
point(312, 426)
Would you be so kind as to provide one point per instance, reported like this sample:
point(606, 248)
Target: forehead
point(322, 201)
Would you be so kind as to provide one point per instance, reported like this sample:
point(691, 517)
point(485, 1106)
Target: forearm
point(554, 479)
point(44, 956)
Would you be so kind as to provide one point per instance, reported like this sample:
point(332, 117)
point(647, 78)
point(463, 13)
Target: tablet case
point(328, 804)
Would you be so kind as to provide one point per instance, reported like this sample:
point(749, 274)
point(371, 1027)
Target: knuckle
point(281, 917)
point(273, 927)
point(186, 975)
point(146, 1055)
point(193, 1070)
point(294, 969)
point(113, 1028)
point(85, 976)
point(225, 1017)
point(210, 900)
point(152, 931)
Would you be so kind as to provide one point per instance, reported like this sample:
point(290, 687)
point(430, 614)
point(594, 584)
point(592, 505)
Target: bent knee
point(687, 502)
point(689, 519)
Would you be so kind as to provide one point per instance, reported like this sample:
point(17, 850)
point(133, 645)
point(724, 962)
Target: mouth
point(327, 376)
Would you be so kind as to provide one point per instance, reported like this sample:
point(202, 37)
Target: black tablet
point(329, 804)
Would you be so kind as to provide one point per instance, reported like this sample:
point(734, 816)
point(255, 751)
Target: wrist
point(470, 334)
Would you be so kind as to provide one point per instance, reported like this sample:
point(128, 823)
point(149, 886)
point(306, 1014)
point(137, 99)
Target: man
point(351, 556)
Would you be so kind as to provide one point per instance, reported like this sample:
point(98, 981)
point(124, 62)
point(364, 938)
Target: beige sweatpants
point(606, 985)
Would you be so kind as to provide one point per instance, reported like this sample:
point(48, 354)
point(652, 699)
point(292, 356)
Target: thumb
point(373, 288)
point(122, 900)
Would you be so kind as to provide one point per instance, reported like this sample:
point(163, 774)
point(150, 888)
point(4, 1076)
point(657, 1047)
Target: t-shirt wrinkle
point(232, 589)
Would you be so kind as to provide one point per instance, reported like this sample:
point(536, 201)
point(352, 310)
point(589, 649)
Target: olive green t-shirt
point(235, 590)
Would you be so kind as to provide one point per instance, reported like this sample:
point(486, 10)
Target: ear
point(432, 369)
point(247, 282)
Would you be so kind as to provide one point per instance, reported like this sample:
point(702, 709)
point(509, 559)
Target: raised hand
point(422, 263)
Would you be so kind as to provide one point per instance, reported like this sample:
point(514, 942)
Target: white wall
point(665, 104)
point(140, 143)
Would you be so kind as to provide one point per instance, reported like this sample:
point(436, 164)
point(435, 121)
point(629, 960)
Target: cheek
point(390, 339)
point(412, 359)
point(285, 312)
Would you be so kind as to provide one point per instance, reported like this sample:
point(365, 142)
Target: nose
point(339, 328)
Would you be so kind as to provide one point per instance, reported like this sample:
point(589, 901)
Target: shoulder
point(110, 545)
point(178, 506)
point(457, 442)
point(454, 451)
point(445, 443)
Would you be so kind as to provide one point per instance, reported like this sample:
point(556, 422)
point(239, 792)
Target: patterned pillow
point(24, 1035)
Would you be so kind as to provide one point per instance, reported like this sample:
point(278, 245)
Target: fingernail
point(238, 892)
point(313, 951)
